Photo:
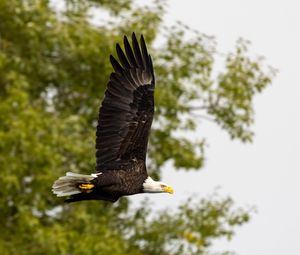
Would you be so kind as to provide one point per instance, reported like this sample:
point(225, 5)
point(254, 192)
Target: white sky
point(267, 172)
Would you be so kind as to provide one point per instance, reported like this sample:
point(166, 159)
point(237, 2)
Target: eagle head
point(151, 186)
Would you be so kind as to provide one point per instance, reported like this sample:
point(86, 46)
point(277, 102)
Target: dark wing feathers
point(137, 52)
point(129, 53)
point(118, 68)
point(126, 114)
point(144, 52)
point(122, 57)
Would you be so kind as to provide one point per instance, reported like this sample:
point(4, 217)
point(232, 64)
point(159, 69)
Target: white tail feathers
point(68, 185)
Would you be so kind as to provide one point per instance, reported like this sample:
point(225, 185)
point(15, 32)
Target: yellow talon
point(86, 187)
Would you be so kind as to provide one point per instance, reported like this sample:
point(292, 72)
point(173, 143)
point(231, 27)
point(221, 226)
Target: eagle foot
point(86, 187)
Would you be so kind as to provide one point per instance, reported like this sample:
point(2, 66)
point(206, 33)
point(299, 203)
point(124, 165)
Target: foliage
point(53, 72)
point(197, 223)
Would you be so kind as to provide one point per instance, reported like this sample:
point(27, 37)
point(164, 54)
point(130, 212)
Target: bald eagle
point(124, 123)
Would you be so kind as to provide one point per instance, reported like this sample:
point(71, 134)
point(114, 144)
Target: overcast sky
point(267, 172)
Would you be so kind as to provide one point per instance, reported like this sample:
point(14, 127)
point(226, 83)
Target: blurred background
point(224, 136)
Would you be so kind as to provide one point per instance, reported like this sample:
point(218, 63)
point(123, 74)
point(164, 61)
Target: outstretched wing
point(127, 110)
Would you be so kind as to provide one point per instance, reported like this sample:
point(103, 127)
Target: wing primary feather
point(118, 68)
point(130, 80)
point(129, 52)
point(151, 68)
point(139, 76)
point(144, 52)
point(122, 57)
point(134, 76)
point(137, 51)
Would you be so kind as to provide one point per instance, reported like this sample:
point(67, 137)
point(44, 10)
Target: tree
point(53, 71)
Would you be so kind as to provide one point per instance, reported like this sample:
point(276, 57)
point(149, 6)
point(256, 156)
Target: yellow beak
point(168, 189)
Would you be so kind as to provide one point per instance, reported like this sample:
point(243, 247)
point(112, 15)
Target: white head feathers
point(151, 186)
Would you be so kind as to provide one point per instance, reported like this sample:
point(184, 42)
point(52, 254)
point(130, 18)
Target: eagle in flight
point(124, 123)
